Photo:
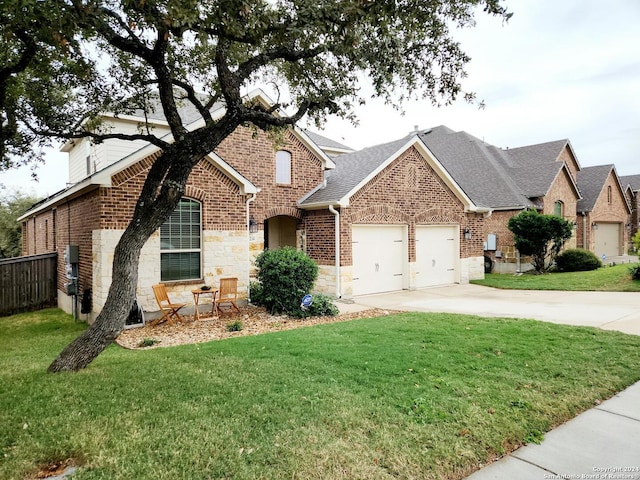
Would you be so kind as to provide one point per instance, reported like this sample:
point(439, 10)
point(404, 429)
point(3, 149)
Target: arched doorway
point(280, 231)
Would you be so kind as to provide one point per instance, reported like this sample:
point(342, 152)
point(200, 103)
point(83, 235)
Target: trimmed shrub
point(635, 272)
point(577, 260)
point(286, 275)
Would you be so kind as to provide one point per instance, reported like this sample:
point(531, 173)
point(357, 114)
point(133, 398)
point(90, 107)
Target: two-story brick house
point(249, 195)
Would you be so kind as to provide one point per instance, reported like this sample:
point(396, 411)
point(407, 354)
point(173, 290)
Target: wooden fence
point(28, 283)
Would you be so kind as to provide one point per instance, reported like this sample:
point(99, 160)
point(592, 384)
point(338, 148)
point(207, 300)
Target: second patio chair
point(227, 294)
point(168, 309)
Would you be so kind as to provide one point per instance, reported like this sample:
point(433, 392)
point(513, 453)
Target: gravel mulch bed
point(255, 320)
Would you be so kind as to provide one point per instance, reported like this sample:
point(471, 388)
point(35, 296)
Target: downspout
point(584, 231)
point(337, 244)
point(249, 200)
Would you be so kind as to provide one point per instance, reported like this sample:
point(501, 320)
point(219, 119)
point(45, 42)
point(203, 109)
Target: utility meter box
point(72, 254)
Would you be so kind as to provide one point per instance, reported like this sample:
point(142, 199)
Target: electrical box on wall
point(492, 242)
point(72, 254)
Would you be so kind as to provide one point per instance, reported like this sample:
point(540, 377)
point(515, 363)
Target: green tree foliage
point(636, 242)
point(540, 236)
point(62, 62)
point(12, 206)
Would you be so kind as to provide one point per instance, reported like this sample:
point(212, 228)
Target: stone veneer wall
point(224, 254)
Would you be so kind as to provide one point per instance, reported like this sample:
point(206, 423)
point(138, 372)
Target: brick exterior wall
point(95, 220)
point(606, 210)
point(569, 160)
point(407, 192)
point(634, 201)
point(70, 223)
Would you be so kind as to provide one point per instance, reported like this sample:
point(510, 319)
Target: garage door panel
point(437, 255)
point(607, 239)
point(378, 259)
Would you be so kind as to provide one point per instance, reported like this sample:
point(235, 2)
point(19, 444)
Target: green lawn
point(605, 279)
point(412, 396)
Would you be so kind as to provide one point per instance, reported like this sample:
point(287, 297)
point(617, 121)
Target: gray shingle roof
point(489, 176)
point(591, 180)
point(351, 169)
point(632, 180)
point(477, 167)
point(324, 142)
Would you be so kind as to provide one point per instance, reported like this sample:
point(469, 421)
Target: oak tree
point(126, 56)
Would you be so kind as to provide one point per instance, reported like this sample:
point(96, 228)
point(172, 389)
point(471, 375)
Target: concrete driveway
point(607, 310)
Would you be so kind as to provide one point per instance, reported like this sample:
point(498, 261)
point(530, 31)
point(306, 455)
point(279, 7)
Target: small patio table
point(196, 300)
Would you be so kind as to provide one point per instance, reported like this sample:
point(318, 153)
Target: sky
point(558, 69)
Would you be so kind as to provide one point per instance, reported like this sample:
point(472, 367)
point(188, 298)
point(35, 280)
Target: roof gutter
point(337, 249)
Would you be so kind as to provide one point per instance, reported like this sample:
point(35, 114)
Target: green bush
point(321, 306)
point(635, 272)
point(285, 275)
point(577, 260)
point(255, 293)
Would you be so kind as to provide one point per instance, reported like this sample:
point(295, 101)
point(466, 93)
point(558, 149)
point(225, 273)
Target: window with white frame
point(180, 243)
point(283, 167)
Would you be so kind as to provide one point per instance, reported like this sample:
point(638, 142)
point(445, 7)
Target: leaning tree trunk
point(111, 320)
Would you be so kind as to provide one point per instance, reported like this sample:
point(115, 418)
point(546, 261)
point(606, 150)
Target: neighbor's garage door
point(607, 239)
point(379, 258)
point(437, 255)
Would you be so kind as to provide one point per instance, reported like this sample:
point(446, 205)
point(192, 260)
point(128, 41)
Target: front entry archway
point(280, 231)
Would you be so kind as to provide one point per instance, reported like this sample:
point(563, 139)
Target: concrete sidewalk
point(601, 443)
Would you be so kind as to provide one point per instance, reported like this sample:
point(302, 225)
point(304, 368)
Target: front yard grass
point(412, 396)
point(605, 279)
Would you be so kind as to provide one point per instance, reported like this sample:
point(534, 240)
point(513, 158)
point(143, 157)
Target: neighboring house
point(508, 181)
point(631, 185)
point(603, 212)
point(247, 196)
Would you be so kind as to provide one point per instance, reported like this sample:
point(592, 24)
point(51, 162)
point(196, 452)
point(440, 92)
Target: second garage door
point(437, 255)
point(379, 258)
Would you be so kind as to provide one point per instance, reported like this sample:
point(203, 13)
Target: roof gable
point(632, 181)
point(591, 181)
point(355, 170)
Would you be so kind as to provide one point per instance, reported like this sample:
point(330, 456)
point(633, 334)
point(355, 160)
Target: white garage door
point(607, 239)
point(379, 258)
point(437, 255)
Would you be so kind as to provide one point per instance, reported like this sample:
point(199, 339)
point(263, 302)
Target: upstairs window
point(558, 209)
point(283, 167)
point(180, 244)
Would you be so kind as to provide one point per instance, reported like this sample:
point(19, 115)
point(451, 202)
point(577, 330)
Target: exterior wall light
point(594, 225)
point(253, 226)
point(467, 233)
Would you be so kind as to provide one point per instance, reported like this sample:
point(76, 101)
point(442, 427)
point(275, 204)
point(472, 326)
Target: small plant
point(235, 326)
point(577, 260)
point(148, 342)
point(321, 306)
point(635, 272)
